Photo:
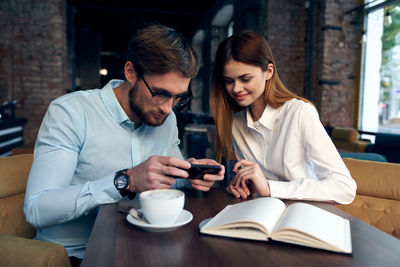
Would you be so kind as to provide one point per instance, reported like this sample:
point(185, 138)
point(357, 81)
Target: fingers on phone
point(201, 184)
point(168, 181)
point(175, 162)
point(212, 177)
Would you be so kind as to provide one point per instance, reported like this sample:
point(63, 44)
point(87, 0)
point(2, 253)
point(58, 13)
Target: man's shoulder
point(77, 97)
point(170, 121)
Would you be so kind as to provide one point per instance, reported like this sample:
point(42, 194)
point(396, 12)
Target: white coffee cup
point(162, 206)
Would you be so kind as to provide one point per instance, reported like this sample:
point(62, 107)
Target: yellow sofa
point(377, 201)
point(346, 139)
point(17, 248)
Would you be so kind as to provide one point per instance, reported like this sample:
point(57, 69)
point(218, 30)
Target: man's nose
point(167, 106)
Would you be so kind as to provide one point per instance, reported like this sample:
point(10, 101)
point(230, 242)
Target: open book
point(268, 218)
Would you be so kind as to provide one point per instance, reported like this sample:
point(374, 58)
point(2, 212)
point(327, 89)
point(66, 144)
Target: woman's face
point(246, 83)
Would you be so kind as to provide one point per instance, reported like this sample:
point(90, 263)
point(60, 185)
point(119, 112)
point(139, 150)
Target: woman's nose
point(236, 87)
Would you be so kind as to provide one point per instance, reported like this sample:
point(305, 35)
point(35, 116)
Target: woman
point(282, 148)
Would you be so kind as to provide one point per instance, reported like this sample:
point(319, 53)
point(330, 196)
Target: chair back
point(377, 201)
point(347, 134)
point(14, 172)
point(386, 144)
point(347, 140)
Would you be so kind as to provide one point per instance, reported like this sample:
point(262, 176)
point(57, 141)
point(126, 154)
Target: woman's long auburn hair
point(249, 48)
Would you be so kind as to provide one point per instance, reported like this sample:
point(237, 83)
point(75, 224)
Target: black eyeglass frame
point(179, 99)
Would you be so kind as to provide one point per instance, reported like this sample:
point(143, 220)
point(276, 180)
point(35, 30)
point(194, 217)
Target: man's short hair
point(158, 49)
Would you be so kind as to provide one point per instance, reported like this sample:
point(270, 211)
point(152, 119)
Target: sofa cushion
point(356, 146)
point(14, 173)
point(378, 194)
point(18, 251)
point(12, 217)
point(378, 212)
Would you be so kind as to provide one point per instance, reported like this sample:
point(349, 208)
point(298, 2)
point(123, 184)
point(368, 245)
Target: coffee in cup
point(162, 206)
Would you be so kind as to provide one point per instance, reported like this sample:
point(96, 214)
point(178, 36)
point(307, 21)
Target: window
point(380, 83)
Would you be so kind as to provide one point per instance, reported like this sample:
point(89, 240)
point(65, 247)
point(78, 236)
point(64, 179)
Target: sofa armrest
point(20, 251)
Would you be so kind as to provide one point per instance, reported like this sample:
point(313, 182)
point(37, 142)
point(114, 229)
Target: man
point(95, 146)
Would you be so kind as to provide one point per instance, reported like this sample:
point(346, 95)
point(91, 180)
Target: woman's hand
point(248, 178)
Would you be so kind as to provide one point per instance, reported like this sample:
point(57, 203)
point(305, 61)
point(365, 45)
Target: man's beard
point(139, 111)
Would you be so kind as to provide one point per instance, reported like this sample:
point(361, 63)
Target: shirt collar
point(267, 119)
point(111, 102)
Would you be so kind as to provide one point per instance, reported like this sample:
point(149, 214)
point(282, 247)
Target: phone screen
point(197, 171)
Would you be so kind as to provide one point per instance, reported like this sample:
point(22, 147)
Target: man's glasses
point(162, 97)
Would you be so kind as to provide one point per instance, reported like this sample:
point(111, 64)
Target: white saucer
point(183, 219)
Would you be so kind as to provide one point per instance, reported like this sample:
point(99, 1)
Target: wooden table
point(115, 242)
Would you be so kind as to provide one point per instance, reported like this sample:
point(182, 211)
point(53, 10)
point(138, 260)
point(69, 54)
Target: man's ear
point(130, 73)
point(269, 72)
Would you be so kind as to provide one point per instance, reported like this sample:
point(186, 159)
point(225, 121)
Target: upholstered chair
point(17, 248)
point(346, 139)
point(377, 201)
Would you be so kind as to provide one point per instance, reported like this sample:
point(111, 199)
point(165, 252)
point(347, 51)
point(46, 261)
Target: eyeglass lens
point(160, 98)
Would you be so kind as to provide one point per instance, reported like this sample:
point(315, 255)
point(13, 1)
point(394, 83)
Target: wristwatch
point(122, 183)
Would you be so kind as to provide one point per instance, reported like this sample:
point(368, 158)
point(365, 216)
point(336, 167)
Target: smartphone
point(197, 171)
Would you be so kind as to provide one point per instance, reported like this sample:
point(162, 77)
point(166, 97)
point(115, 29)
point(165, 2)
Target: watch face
point(122, 181)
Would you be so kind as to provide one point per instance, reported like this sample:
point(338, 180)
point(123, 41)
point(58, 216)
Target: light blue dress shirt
point(85, 137)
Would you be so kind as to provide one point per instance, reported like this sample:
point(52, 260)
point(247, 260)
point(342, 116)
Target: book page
point(265, 211)
point(322, 229)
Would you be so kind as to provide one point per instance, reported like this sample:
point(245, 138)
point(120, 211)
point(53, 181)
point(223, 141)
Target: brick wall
point(338, 81)
point(284, 27)
point(32, 57)
point(315, 44)
point(316, 48)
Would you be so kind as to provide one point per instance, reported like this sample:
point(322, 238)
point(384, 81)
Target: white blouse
point(294, 152)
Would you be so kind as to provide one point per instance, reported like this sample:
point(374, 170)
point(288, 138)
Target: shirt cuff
point(104, 190)
point(278, 189)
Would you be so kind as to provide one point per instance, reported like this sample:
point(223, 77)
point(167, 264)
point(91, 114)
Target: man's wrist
point(124, 184)
point(131, 188)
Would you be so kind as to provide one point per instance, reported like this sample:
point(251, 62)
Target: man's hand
point(208, 179)
point(157, 172)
